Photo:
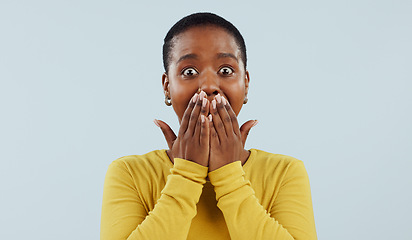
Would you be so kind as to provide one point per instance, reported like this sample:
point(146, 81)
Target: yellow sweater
point(147, 197)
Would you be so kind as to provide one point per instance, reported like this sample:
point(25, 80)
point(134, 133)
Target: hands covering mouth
point(209, 133)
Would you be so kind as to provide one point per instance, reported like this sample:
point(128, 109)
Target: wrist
point(219, 164)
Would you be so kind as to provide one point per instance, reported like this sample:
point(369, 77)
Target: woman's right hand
point(192, 141)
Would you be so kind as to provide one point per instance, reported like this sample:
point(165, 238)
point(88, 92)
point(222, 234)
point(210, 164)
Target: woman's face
point(207, 58)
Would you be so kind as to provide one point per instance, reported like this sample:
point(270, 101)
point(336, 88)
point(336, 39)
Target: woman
point(206, 185)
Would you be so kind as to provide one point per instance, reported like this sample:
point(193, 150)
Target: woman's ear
point(247, 80)
point(165, 84)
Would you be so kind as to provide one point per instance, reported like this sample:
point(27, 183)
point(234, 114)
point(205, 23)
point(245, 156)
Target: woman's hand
point(227, 141)
point(192, 141)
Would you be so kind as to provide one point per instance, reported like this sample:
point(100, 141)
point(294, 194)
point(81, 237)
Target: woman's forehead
point(205, 40)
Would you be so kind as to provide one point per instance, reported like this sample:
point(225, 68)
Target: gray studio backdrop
point(81, 84)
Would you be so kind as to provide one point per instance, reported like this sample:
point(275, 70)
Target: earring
point(199, 90)
point(245, 100)
point(168, 101)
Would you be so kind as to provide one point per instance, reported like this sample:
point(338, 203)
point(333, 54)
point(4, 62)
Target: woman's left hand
point(227, 140)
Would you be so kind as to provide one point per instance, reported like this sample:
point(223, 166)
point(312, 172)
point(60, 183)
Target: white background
point(81, 84)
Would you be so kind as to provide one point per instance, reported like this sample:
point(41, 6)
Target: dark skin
point(207, 83)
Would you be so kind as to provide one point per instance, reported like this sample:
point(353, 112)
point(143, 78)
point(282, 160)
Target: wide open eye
point(226, 71)
point(189, 72)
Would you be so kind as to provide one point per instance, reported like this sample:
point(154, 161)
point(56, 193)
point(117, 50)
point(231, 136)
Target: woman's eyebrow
point(227, 55)
point(187, 56)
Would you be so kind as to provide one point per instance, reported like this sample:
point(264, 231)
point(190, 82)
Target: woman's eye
point(226, 71)
point(189, 72)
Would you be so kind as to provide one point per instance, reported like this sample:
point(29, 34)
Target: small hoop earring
point(245, 100)
point(168, 101)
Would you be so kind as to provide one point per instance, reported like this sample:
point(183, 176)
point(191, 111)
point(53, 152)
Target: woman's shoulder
point(151, 161)
point(263, 160)
point(265, 168)
point(262, 155)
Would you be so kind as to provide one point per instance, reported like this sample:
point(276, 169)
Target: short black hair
point(201, 19)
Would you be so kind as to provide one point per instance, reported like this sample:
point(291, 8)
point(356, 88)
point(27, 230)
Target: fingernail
point(224, 100)
point(194, 98)
point(202, 94)
point(214, 104)
point(210, 116)
point(255, 123)
point(218, 98)
point(203, 118)
point(204, 102)
point(156, 123)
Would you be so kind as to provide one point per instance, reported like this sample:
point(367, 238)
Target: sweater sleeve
point(124, 215)
point(247, 219)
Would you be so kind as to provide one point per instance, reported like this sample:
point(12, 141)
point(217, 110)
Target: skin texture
point(208, 59)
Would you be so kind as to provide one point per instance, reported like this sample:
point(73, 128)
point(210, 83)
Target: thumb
point(245, 128)
point(170, 136)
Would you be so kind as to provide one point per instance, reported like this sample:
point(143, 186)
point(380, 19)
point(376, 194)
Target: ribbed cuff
point(190, 170)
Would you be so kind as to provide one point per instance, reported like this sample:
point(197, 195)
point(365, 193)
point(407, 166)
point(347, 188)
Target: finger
point(217, 121)
point(221, 108)
point(170, 136)
point(214, 137)
point(245, 129)
point(232, 116)
point(194, 116)
point(186, 116)
point(198, 127)
point(204, 131)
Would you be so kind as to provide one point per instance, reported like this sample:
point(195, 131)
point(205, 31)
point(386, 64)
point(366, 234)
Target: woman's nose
point(209, 83)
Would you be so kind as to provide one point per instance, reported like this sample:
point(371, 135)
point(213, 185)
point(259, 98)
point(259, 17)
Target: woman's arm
point(291, 216)
point(125, 217)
